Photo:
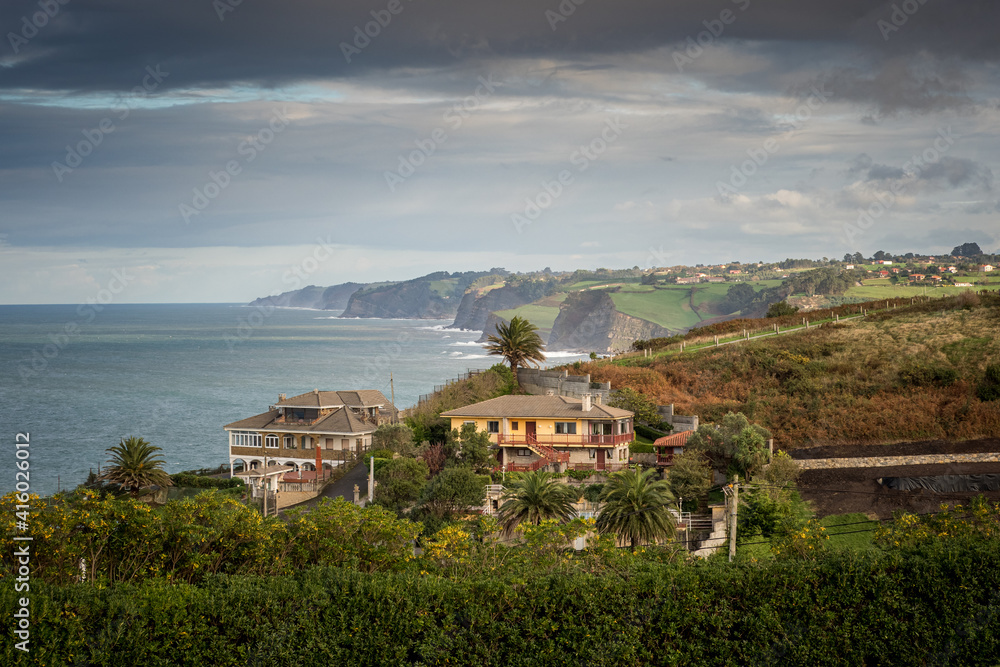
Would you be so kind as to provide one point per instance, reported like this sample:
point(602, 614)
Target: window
point(522, 452)
point(513, 426)
point(593, 453)
point(468, 421)
point(290, 442)
point(566, 428)
point(246, 439)
point(271, 441)
point(492, 427)
point(307, 442)
point(360, 444)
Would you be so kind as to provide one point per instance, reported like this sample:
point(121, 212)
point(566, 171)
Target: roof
point(538, 407)
point(342, 420)
point(362, 398)
point(673, 440)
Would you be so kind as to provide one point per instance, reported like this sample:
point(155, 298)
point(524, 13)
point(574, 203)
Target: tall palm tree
point(518, 343)
point(635, 508)
point(538, 496)
point(135, 466)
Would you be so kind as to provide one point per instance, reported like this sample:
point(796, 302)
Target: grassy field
point(849, 531)
point(880, 288)
point(669, 308)
point(541, 316)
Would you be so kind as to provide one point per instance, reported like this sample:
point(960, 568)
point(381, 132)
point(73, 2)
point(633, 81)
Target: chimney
point(585, 406)
point(549, 392)
point(281, 397)
point(598, 398)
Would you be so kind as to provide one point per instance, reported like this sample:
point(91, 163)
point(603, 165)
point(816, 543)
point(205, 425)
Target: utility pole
point(392, 389)
point(732, 517)
point(371, 480)
point(264, 485)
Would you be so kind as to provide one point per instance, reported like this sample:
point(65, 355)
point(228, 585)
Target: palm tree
point(135, 466)
point(538, 496)
point(518, 343)
point(635, 508)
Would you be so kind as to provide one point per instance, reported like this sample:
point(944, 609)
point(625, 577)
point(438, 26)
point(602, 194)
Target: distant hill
point(434, 296)
point(334, 298)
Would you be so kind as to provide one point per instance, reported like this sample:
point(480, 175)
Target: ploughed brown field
point(847, 490)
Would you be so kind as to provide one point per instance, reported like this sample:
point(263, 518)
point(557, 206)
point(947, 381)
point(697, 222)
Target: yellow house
point(533, 432)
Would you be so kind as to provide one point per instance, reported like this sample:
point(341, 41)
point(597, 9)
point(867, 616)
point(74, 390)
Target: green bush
point(936, 604)
point(183, 479)
point(928, 376)
point(988, 388)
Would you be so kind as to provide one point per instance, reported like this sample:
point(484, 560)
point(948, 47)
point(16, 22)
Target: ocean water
point(78, 380)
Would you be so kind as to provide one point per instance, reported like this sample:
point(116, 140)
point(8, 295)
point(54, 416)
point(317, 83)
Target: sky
point(222, 150)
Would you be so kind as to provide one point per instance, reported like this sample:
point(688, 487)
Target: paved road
point(344, 487)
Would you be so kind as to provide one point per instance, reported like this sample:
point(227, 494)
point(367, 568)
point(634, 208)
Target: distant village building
point(985, 268)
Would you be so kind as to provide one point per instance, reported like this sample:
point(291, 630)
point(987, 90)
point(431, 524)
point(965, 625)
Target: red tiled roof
point(674, 439)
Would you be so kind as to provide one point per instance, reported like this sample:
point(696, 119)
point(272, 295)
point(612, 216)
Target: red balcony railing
point(558, 440)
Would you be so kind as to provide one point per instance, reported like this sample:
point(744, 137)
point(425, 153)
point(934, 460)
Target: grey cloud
point(101, 44)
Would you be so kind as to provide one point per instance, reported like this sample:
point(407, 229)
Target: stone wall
point(561, 383)
point(889, 461)
point(679, 422)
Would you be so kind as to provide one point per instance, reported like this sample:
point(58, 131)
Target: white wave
point(465, 343)
point(445, 336)
point(442, 327)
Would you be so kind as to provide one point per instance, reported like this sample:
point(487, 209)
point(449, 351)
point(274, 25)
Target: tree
point(966, 250)
point(135, 466)
point(453, 490)
point(690, 476)
point(635, 508)
point(397, 438)
point(734, 445)
point(781, 309)
point(518, 343)
point(535, 498)
point(643, 407)
point(400, 481)
point(469, 447)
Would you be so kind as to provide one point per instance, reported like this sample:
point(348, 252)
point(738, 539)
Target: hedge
point(934, 605)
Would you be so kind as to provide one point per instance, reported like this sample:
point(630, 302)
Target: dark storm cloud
point(102, 44)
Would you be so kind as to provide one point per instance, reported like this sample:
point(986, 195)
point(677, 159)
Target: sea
point(78, 379)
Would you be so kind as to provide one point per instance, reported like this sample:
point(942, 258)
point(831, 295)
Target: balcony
point(560, 440)
point(283, 452)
